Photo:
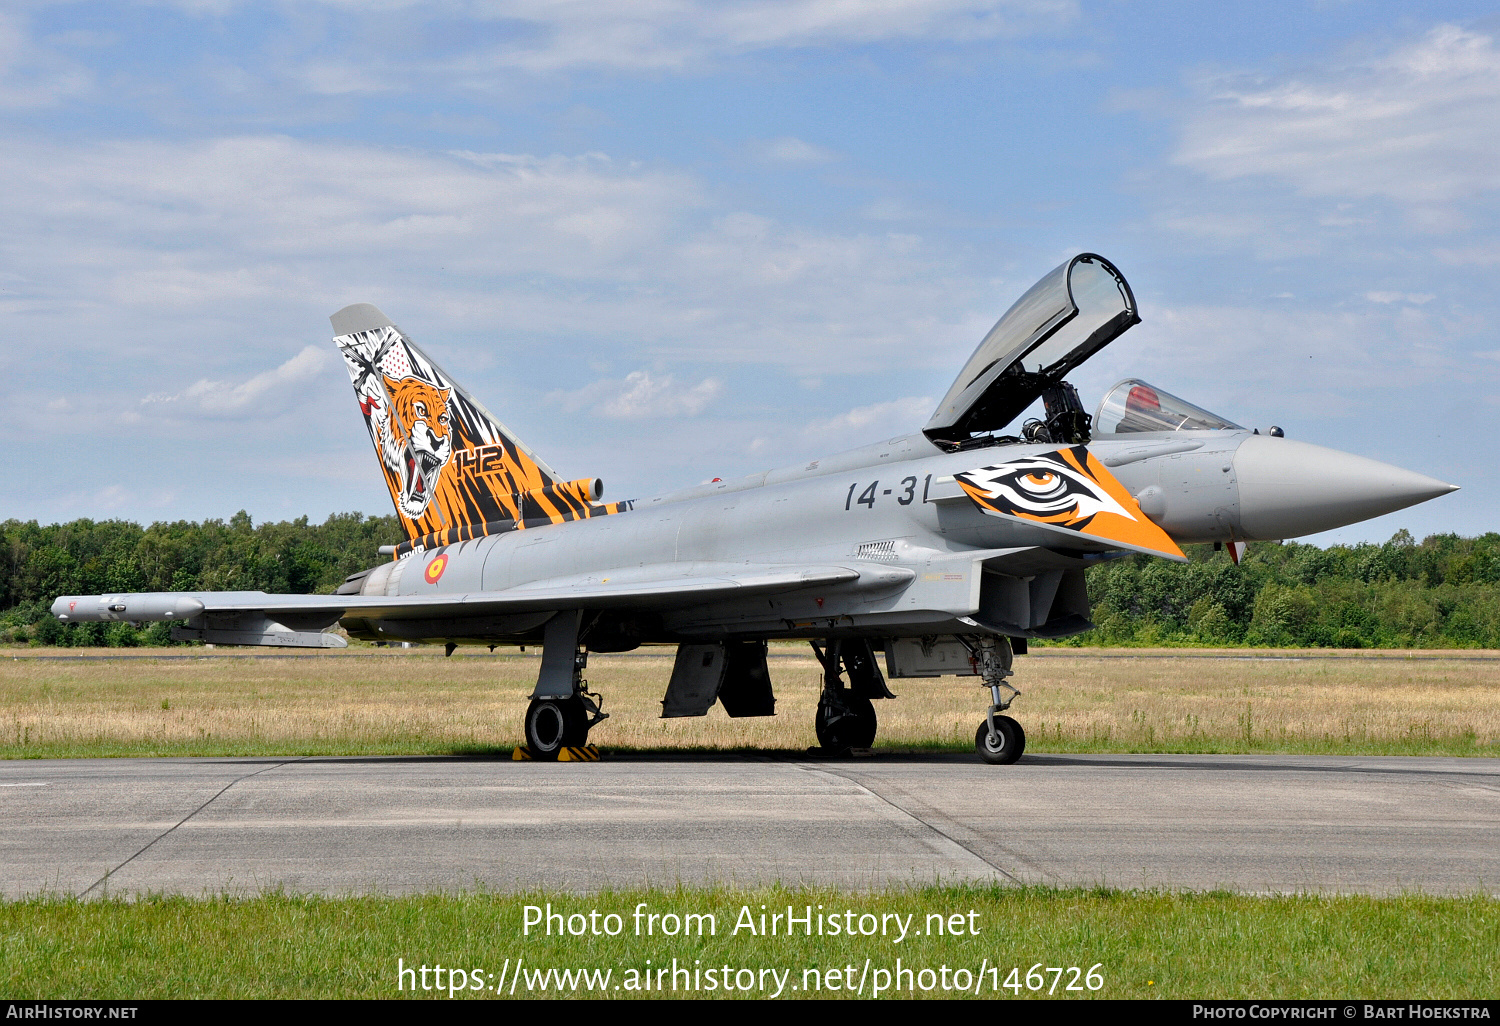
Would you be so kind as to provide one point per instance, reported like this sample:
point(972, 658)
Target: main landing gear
point(553, 724)
point(999, 739)
point(846, 716)
point(563, 710)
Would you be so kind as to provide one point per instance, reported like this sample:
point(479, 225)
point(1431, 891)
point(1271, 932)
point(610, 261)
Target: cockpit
point(1061, 321)
point(1133, 406)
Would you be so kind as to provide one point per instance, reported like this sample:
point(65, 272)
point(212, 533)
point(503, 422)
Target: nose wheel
point(999, 739)
point(1001, 744)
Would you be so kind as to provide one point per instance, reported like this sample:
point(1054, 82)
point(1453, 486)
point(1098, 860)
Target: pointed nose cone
point(1289, 489)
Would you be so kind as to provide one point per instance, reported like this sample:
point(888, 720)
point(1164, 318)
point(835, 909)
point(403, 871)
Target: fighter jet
point(935, 553)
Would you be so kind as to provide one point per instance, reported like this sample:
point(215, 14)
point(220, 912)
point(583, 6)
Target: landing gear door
point(1068, 316)
point(928, 657)
point(696, 677)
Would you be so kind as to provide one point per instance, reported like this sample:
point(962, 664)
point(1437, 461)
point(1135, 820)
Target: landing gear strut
point(999, 739)
point(563, 710)
point(846, 717)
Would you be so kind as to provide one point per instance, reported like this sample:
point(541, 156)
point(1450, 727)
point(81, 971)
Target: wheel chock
point(582, 753)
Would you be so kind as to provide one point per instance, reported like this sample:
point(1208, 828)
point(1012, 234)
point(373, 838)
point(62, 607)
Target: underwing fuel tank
point(169, 605)
point(1290, 488)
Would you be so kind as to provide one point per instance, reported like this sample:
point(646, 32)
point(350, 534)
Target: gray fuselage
point(893, 505)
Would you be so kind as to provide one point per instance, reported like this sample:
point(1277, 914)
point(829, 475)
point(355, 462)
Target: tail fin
point(454, 471)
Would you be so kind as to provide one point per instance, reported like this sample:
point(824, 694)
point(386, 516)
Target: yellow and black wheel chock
point(582, 753)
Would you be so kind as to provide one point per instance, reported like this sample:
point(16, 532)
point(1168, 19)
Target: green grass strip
point(1144, 944)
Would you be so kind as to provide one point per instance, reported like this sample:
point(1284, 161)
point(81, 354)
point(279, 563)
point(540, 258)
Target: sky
point(671, 240)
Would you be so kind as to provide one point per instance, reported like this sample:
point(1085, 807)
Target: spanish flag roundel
point(435, 569)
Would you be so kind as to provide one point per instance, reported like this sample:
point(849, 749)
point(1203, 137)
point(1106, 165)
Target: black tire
point(553, 724)
point(853, 726)
point(1012, 741)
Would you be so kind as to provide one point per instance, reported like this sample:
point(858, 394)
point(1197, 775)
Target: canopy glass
point(1062, 320)
point(1133, 406)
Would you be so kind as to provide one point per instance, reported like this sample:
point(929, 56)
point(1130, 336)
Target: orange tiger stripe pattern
point(1067, 489)
point(454, 472)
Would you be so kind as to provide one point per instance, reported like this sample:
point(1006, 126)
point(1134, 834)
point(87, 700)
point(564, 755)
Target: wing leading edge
point(641, 587)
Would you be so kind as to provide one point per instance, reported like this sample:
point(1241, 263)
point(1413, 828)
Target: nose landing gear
point(999, 739)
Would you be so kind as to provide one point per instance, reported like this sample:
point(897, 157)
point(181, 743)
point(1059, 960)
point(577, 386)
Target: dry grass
point(1254, 703)
point(418, 702)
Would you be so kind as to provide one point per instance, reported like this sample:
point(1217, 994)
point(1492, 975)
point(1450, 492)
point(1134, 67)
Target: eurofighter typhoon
point(936, 553)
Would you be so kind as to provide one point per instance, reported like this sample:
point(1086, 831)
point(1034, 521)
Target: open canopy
point(1062, 320)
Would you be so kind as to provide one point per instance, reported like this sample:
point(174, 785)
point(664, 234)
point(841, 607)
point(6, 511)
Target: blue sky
point(668, 240)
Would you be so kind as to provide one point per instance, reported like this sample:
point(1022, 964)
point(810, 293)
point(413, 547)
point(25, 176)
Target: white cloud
point(1419, 126)
point(1416, 298)
point(267, 391)
point(227, 230)
point(1478, 255)
point(112, 497)
point(637, 35)
point(195, 269)
point(218, 395)
point(807, 22)
point(340, 78)
point(1254, 364)
point(246, 219)
point(639, 396)
point(32, 75)
point(888, 209)
point(1273, 347)
point(783, 442)
point(789, 150)
point(150, 257)
point(865, 424)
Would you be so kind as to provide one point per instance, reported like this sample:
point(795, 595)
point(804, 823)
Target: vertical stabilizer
point(454, 471)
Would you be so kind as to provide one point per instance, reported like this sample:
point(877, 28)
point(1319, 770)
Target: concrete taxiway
point(1272, 823)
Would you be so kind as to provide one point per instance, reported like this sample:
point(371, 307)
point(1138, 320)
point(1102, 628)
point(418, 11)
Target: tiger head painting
point(1069, 490)
point(414, 440)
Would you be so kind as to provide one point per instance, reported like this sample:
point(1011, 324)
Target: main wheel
point(1007, 744)
point(553, 724)
point(852, 726)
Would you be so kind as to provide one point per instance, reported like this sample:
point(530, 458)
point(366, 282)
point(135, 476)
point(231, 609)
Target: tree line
point(87, 557)
point(1442, 592)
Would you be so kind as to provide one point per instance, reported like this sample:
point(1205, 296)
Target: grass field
point(1143, 945)
point(417, 702)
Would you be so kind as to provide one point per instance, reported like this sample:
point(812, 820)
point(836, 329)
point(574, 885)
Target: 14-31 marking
point(906, 493)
